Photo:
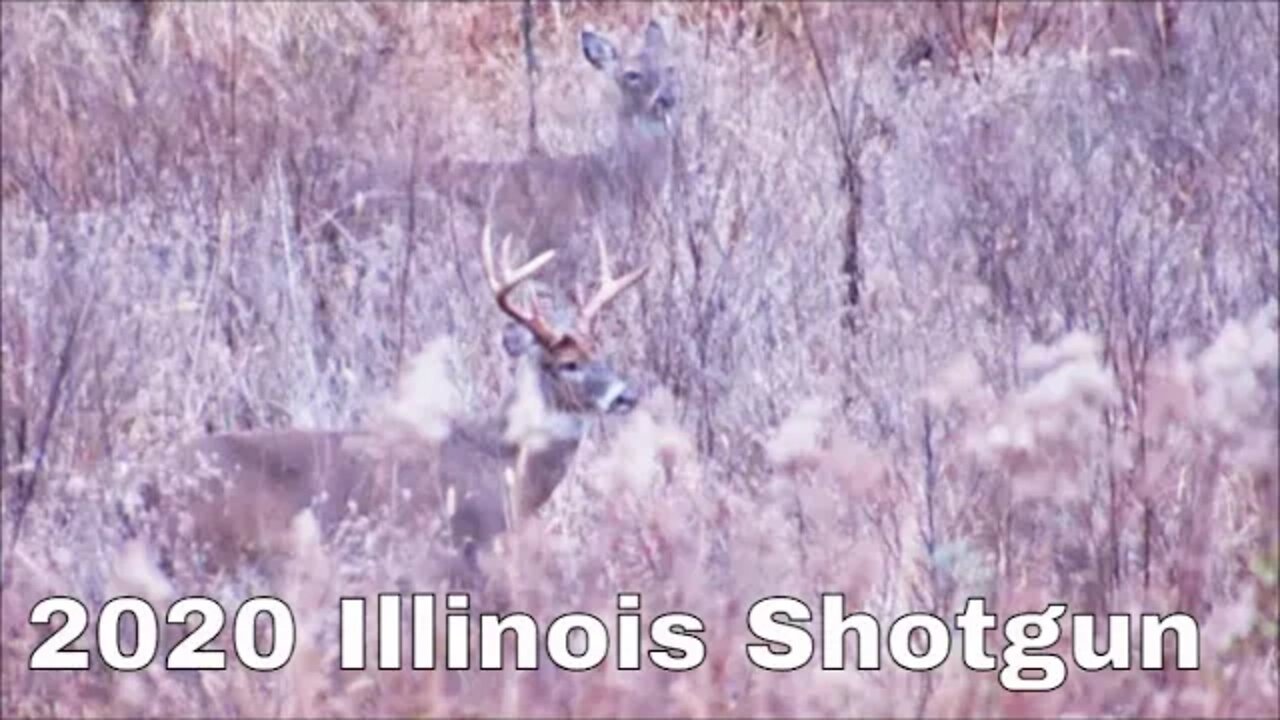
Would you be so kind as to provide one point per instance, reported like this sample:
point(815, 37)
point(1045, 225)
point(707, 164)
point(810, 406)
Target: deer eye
point(570, 366)
point(631, 77)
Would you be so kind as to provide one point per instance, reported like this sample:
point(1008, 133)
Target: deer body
point(248, 486)
point(548, 199)
point(233, 496)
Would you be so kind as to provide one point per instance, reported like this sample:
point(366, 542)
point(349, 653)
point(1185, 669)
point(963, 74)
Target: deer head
point(573, 379)
point(646, 77)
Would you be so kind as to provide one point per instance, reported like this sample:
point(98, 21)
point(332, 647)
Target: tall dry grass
point(950, 302)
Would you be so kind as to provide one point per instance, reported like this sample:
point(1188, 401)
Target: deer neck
point(643, 146)
point(643, 130)
point(552, 432)
point(531, 420)
point(539, 439)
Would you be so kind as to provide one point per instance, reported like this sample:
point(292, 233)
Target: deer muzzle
point(619, 400)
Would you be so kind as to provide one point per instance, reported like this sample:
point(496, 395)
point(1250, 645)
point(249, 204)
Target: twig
point(407, 260)
point(26, 482)
point(851, 176)
point(841, 137)
point(531, 75)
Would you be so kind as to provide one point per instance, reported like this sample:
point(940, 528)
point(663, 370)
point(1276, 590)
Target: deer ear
point(654, 38)
point(517, 340)
point(599, 51)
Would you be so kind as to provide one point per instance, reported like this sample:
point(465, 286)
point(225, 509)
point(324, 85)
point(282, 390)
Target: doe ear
point(517, 340)
point(598, 51)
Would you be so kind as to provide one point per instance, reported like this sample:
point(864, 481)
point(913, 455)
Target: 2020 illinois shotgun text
point(786, 636)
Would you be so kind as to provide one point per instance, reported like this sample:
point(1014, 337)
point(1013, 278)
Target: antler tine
point(502, 283)
point(610, 287)
point(606, 267)
point(505, 251)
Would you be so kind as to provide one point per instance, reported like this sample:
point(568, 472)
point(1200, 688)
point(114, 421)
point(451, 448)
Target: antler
point(503, 283)
point(610, 287)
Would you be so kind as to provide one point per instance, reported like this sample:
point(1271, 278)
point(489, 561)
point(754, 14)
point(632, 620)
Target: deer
point(551, 199)
point(234, 494)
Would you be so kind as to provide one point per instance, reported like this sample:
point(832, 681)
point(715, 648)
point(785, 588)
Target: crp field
point(944, 302)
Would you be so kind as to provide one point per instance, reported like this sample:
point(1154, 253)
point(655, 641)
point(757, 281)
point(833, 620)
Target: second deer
point(552, 200)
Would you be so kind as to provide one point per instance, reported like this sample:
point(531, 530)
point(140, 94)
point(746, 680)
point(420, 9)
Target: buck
point(233, 495)
point(551, 200)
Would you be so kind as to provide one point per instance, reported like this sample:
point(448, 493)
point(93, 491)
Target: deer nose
point(625, 402)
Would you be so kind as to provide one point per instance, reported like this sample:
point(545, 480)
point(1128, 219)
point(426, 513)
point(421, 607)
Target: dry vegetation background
point(991, 311)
